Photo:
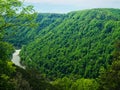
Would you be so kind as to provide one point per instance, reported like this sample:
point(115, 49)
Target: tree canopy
point(78, 46)
point(71, 49)
point(13, 15)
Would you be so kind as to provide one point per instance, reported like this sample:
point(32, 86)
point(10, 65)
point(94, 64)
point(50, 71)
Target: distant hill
point(76, 45)
point(24, 35)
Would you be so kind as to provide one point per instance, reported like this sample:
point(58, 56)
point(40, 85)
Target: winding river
point(16, 59)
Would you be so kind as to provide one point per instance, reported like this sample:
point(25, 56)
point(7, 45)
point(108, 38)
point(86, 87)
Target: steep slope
point(77, 47)
point(24, 35)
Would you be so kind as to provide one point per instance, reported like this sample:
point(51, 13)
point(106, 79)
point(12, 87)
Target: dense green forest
point(75, 51)
point(77, 47)
point(12, 77)
point(24, 35)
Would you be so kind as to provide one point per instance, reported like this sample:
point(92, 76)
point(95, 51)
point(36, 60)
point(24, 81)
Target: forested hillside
point(77, 46)
point(13, 77)
point(24, 35)
point(75, 51)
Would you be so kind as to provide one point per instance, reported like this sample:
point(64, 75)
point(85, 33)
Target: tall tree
point(13, 14)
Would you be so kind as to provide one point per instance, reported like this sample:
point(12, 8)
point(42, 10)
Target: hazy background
point(64, 6)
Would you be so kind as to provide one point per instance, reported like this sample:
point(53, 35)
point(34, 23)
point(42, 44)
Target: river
point(16, 59)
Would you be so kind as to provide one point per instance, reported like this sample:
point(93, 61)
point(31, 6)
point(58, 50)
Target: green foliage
point(80, 84)
point(30, 80)
point(6, 68)
point(62, 84)
point(6, 50)
point(110, 79)
point(13, 15)
point(85, 84)
point(11, 18)
point(24, 35)
point(78, 44)
point(77, 47)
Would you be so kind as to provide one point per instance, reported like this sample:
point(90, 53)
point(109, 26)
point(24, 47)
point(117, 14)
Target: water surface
point(16, 59)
